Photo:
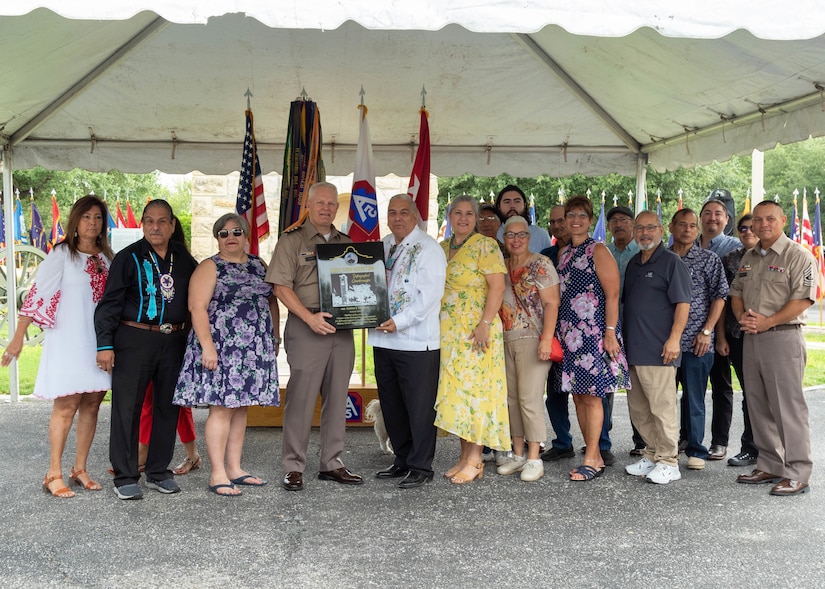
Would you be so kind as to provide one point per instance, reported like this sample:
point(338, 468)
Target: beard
point(650, 246)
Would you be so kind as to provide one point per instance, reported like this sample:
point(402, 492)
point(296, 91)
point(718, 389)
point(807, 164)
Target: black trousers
point(407, 385)
point(722, 397)
point(142, 357)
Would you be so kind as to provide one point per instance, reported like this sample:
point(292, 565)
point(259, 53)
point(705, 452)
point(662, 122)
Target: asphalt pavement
point(616, 531)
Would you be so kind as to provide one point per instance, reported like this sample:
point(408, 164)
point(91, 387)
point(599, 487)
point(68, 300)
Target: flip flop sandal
point(242, 481)
point(214, 489)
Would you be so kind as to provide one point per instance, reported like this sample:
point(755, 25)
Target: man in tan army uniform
point(320, 357)
point(770, 295)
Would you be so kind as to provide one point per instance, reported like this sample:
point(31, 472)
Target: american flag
point(251, 203)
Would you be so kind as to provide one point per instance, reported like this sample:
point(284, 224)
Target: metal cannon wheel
point(28, 260)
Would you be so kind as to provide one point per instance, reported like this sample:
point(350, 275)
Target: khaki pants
point(526, 379)
point(652, 405)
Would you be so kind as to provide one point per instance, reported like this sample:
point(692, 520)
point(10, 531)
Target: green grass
point(30, 359)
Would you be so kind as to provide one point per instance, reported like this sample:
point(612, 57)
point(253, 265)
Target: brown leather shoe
point(340, 475)
point(790, 487)
point(293, 481)
point(757, 477)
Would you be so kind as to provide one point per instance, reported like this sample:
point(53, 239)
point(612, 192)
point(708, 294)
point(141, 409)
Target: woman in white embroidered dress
point(62, 300)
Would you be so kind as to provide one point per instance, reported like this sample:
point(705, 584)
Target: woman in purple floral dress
point(594, 362)
point(230, 360)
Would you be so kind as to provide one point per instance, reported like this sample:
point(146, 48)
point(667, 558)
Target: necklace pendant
point(167, 287)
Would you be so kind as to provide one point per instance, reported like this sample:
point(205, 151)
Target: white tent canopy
point(526, 87)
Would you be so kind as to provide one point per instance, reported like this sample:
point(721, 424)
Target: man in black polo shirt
point(142, 322)
point(656, 296)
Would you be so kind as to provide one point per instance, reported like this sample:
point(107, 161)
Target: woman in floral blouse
point(528, 314)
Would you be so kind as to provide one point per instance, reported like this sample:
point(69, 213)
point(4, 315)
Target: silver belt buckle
point(165, 328)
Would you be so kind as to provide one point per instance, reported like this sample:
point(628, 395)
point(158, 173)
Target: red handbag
point(556, 351)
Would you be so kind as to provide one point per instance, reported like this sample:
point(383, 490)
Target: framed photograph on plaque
point(353, 284)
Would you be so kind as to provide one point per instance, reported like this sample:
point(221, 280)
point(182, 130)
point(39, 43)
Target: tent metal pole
point(641, 181)
point(11, 264)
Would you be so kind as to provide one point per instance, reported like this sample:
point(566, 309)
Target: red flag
point(57, 228)
point(130, 217)
point(121, 222)
point(363, 207)
point(251, 202)
point(419, 189)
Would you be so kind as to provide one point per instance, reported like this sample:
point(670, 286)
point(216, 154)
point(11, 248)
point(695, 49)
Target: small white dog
point(373, 414)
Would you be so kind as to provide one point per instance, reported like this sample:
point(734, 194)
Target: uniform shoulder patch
point(291, 229)
point(808, 276)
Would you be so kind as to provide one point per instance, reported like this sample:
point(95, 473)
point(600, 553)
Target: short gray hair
point(406, 198)
point(224, 219)
point(516, 219)
point(466, 198)
point(317, 185)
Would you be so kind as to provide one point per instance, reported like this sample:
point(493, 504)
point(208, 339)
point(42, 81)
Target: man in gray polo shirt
point(656, 299)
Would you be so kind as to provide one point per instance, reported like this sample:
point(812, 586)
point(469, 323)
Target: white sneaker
point(663, 474)
point(695, 463)
point(532, 471)
point(641, 468)
point(515, 464)
point(502, 458)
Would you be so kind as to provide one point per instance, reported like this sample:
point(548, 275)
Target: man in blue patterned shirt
point(709, 289)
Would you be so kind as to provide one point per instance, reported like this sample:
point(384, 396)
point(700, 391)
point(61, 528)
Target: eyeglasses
point(648, 228)
point(224, 233)
point(745, 229)
point(575, 215)
point(520, 234)
point(490, 218)
point(556, 221)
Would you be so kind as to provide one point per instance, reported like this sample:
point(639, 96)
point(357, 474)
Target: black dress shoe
point(414, 479)
point(341, 475)
point(393, 472)
point(742, 459)
point(293, 481)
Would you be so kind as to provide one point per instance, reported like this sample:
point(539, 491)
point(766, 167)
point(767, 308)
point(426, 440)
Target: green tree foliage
point(68, 186)
point(787, 167)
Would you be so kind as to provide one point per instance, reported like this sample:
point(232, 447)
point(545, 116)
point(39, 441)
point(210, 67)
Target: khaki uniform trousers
point(774, 364)
point(317, 363)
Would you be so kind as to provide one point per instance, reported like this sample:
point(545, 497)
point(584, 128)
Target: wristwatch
point(706, 332)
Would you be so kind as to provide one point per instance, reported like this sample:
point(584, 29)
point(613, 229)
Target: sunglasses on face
point(224, 233)
point(745, 229)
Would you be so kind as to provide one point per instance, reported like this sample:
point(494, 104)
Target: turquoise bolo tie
point(151, 290)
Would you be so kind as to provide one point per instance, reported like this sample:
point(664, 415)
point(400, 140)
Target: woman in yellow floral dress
point(472, 392)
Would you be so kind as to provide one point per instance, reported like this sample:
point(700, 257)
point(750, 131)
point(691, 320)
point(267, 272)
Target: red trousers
point(186, 424)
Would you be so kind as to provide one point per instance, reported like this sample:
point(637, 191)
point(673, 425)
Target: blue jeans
point(693, 376)
point(559, 413)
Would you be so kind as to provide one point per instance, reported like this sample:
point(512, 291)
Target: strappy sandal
point(62, 492)
point(462, 479)
point(90, 486)
point(188, 465)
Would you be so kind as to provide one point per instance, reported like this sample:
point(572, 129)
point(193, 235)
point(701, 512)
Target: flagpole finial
point(304, 95)
point(423, 96)
point(776, 198)
point(248, 95)
point(362, 94)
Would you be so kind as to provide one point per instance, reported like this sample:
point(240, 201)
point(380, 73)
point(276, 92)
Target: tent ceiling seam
point(733, 121)
point(567, 80)
point(157, 25)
